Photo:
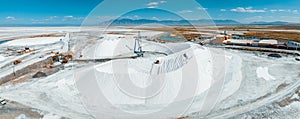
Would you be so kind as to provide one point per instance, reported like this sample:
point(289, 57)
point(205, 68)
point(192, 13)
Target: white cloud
point(152, 3)
point(155, 18)
point(10, 18)
point(273, 11)
point(223, 10)
point(38, 22)
point(155, 3)
point(163, 1)
point(152, 6)
point(284, 10)
point(72, 18)
point(201, 8)
point(295, 11)
point(69, 17)
point(78, 18)
point(248, 10)
point(53, 17)
point(185, 11)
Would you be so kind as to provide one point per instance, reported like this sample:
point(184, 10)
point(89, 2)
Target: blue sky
point(75, 11)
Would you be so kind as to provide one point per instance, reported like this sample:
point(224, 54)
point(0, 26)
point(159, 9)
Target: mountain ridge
point(170, 22)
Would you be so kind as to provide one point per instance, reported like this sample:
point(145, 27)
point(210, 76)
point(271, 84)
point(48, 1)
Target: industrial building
point(267, 43)
point(293, 45)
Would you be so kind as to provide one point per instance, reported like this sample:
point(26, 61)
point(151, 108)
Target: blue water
point(3, 41)
point(167, 37)
point(171, 38)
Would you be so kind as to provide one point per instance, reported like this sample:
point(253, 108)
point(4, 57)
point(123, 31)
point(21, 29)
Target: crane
point(137, 46)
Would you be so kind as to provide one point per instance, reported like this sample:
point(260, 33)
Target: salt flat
point(246, 77)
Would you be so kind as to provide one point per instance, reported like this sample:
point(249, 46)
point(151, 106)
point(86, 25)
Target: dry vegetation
point(253, 28)
point(46, 35)
point(258, 31)
point(266, 32)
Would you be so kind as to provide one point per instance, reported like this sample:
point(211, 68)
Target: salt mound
point(173, 66)
point(112, 46)
point(33, 41)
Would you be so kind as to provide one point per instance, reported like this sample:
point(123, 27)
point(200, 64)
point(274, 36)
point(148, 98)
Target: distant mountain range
point(128, 22)
point(270, 23)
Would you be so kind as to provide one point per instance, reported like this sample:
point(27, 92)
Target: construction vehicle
point(64, 61)
point(157, 62)
point(17, 62)
point(61, 57)
point(2, 101)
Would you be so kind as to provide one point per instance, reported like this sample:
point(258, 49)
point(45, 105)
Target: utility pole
point(137, 46)
point(69, 39)
point(14, 70)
